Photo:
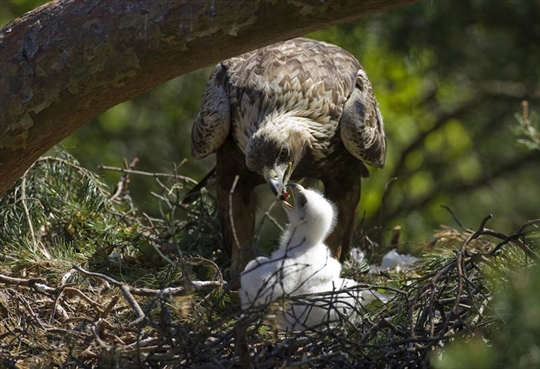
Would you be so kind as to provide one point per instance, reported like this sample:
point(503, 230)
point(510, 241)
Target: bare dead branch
point(231, 193)
point(148, 174)
point(169, 291)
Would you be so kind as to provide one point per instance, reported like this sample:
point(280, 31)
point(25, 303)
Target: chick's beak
point(289, 202)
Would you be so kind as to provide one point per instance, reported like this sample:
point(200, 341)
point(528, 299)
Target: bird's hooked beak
point(277, 178)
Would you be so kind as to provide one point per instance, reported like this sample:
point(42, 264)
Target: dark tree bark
point(66, 62)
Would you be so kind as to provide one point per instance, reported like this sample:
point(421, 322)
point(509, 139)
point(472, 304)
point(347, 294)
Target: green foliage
point(60, 212)
point(518, 339)
point(448, 99)
point(528, 128)
point(514, 342)
point(471, 353)
point(10, 9)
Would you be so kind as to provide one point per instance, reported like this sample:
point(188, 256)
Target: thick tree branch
point(66, 62)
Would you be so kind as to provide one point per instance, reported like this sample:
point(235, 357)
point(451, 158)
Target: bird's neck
point(297, 240)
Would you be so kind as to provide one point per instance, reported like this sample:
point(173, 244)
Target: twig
point(54, 307)
point(63, 332)
point(125, 289)
point(192, 194)
point(396, 231)
point(514, 239)
point(480, 310)
point(98, 275)
point(123, 182)
point(178, 291)
point(527, 225)
point(162, 198)
point(148, 174)
point(43, 251)
point(36, 284)
point(477, 233)
point(305, 362)
point(128, 291)
point(459, 265)
point(456, 219)
point(163, 256)
point(19, 281)
point(460, 261)
point(125, 292)
point(380, 214)
point(241, 346)
point(95, 330)
point(109, 307)
point(199, 260)
point(271, 218)
point(74, 291)
point(231, 192)
point(29, 308)
point(65, 278)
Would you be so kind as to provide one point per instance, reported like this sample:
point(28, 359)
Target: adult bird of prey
point(296, 109)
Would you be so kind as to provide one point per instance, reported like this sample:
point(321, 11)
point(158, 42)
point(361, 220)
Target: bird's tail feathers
point(195, 192)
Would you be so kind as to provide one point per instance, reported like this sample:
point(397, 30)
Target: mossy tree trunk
point(66, 62)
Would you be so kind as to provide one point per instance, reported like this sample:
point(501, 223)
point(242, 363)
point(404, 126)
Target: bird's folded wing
point(213, 121)
point(362, 130)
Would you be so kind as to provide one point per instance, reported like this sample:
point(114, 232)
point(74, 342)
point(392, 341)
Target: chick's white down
point(302, 265)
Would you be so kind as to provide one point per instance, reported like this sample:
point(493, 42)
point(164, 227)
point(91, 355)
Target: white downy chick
point(303, 265)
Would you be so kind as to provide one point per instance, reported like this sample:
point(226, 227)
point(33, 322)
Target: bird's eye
point(302, 201)
point(284, 154)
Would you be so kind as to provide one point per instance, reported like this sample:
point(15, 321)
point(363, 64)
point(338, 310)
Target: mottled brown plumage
point(296, 109)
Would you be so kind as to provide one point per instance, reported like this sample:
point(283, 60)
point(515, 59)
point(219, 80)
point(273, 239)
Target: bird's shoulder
point(296, 70)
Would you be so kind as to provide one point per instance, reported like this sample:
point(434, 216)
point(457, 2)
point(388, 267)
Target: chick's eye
point(302, 201)
point(284, 154)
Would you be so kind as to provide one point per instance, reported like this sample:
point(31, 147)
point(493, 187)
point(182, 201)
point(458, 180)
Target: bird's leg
point(236, 208)
point(343, 189)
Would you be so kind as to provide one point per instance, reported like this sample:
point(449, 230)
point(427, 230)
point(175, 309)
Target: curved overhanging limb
point(66, 62)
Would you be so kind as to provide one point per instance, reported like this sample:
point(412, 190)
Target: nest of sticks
point(88, 281)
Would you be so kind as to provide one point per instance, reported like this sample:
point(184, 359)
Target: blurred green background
point(449, 76)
